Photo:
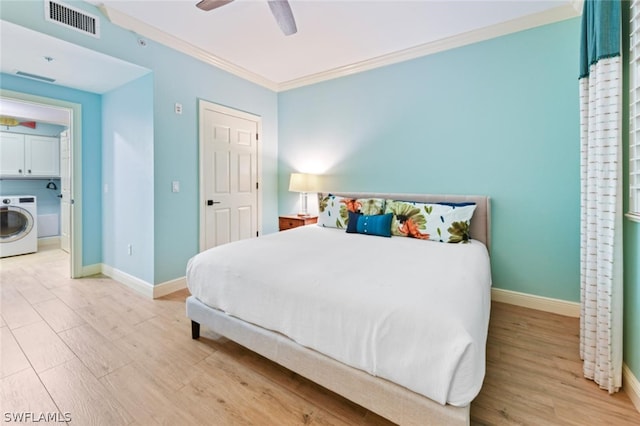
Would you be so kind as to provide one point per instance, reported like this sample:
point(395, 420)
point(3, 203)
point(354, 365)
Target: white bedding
point(410, 311)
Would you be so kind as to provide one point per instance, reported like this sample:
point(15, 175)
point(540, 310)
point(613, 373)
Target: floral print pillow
point(437, 222)
point(334, 209)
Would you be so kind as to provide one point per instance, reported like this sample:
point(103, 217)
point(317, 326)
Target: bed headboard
point(480, 223)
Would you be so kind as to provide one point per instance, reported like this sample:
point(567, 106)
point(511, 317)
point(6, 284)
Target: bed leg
point(195, 330)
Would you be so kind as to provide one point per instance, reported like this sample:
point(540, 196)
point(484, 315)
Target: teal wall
point(176, 78)
point(91, 152)
point(632, 296)
point(500, 117)
point(185, 80)
point(128, 178)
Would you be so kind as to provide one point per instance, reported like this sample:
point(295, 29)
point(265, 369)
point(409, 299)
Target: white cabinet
point(11, 155)
point(42, 156)
point(29, 156)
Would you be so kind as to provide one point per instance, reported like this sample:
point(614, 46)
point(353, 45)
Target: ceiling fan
point(279, 8)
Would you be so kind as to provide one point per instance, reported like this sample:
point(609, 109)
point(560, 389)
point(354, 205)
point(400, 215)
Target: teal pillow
point(379, 224)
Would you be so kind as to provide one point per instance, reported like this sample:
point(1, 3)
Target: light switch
point(175, 186)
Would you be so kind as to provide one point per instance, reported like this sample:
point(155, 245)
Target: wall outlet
point(175, 186)
point(177, 108)
point(129, 249)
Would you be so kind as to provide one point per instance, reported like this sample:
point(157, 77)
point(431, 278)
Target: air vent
point(72, 17)
point(35, 76)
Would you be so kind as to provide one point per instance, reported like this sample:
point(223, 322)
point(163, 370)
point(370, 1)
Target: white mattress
point(410, 311)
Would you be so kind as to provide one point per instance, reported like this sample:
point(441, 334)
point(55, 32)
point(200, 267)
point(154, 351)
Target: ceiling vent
point(72, 17)
point(35, 76)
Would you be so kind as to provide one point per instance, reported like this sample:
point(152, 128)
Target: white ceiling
point(332, 34)
point(334, 38)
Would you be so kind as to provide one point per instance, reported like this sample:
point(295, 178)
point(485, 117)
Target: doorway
point(67, 114)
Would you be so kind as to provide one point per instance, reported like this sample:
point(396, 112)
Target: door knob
point(211, 202)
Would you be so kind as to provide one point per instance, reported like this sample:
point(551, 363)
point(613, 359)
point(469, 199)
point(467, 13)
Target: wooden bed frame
point(381, 396)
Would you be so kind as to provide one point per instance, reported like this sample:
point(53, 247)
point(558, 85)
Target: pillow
point(445, 203)
point(333, 209)
point(370, 206)
point(444, 222)
point(379, 224)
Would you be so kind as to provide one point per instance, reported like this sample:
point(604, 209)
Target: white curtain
point(601, 205)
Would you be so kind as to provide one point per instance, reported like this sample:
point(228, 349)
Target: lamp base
point(304, 211)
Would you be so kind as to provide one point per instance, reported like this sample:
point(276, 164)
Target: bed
point(396, 325)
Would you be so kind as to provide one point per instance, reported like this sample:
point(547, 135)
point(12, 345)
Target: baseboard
point(169, 287)
point(631, 386)
point(89, 270)
point(541, 303)
point(44, 242)
point(146, 289)
point(134, 283)
point(546, 304)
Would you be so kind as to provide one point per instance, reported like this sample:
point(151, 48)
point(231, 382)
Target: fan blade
point(212, 4)
point(284, 17)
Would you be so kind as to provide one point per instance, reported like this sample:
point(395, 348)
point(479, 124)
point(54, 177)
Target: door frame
point(201, 195)
point(74, 112)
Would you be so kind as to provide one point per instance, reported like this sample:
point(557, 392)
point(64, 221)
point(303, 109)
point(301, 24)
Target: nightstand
point(293, 221)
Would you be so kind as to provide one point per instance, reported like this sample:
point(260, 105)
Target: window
point(634, 113)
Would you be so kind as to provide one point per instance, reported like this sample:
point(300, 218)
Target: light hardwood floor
point(96, 350)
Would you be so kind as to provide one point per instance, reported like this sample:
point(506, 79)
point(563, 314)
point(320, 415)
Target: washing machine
point(18, 225)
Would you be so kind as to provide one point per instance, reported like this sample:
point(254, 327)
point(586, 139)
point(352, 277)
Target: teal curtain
point(600, 32)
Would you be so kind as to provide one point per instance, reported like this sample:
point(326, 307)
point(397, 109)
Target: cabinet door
point(42, 156)
point(11, 154)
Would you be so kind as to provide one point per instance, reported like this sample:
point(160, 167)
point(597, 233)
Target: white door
point(65, 192)
point(228, 175)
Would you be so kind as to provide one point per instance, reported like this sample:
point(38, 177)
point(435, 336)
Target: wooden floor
point(94, 351)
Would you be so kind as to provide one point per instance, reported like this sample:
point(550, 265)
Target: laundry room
point(30, 182)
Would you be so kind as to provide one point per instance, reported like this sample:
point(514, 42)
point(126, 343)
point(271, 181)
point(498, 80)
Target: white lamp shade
point(303, 182)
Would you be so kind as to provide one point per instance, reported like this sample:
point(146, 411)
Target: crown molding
point(550, 16)
point(128, 22)
point(557, 14)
